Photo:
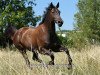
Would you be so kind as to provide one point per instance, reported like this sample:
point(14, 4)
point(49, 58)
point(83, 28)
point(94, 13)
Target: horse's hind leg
point(23, 52)
point(69, 57)
point(36, 57)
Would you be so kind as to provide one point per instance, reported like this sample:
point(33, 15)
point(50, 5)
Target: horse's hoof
point(40, 61)
point(51, 63)
point(69, 66)
point(34, 58)
point(30, 67)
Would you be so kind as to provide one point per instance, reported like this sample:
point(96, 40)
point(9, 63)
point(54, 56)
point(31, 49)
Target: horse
point(41, 39)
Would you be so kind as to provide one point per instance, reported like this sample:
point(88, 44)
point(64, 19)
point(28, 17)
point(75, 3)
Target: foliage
point(18, 12)
point(75, 39)
point(88, 19)
point(87, 25)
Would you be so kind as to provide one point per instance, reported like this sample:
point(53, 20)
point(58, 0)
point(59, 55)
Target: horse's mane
point(45, 13)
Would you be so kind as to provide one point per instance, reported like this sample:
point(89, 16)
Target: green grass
point(84, 63)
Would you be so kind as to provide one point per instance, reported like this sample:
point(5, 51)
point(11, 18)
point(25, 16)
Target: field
point(86, 62)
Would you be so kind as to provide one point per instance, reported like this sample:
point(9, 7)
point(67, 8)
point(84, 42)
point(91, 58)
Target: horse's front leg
point(68, 54)
point(49, 53)
point(35, 56)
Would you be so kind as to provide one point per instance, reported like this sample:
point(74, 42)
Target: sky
point(67, 7)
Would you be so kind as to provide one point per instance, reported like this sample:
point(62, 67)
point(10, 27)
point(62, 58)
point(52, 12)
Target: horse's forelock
point(45, 12)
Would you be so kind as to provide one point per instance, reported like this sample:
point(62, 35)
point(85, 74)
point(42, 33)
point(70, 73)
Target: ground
point(86, 62)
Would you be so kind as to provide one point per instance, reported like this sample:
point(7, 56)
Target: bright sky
point(67, 7)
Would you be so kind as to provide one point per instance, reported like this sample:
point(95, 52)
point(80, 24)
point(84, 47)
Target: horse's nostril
point(59, 21)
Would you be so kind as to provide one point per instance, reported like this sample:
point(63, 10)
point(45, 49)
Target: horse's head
point(55, 14)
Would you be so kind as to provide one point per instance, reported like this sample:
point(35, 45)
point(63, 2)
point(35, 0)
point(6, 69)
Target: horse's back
point(31, 37)
point(20, 32)
point(25, 37)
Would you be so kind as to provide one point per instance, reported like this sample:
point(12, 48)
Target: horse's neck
point(50, 27)
point(49, 24)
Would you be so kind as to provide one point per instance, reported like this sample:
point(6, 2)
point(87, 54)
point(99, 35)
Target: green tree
point(88, 19)
point(18, 12)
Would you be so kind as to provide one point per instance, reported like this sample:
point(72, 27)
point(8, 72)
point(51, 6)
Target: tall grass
point(86, 62)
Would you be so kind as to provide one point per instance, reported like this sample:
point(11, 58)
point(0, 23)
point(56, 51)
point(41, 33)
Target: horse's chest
point(46, 39)
point(49, 40)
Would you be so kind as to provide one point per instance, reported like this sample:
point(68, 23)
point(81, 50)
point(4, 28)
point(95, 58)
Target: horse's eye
point(52, 11)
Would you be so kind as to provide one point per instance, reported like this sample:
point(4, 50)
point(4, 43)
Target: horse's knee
point(52, 56)
point(35, 55)
point(63, 49)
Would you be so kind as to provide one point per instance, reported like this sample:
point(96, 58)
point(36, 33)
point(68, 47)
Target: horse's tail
point(10, 30)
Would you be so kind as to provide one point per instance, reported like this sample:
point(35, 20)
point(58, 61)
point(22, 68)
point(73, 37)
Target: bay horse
point(42, 38)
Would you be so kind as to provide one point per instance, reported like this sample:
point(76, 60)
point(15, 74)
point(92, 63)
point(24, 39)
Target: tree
point(88, 19)
point(18, 12)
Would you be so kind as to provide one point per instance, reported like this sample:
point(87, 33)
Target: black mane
point(45, 13)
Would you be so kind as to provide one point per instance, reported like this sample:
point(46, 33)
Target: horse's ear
point(57, 5)
point(51, 5)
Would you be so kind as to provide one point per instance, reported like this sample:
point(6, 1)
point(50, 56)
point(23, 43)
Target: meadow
point(85, 62)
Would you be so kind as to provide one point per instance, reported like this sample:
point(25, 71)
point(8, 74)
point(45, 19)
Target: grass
point(86, 62)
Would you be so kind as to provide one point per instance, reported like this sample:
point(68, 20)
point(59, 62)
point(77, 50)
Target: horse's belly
point(29, 43)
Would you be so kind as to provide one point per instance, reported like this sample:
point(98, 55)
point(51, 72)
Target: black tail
point(10, 30)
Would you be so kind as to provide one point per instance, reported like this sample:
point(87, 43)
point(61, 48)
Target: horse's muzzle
point(60, 23)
